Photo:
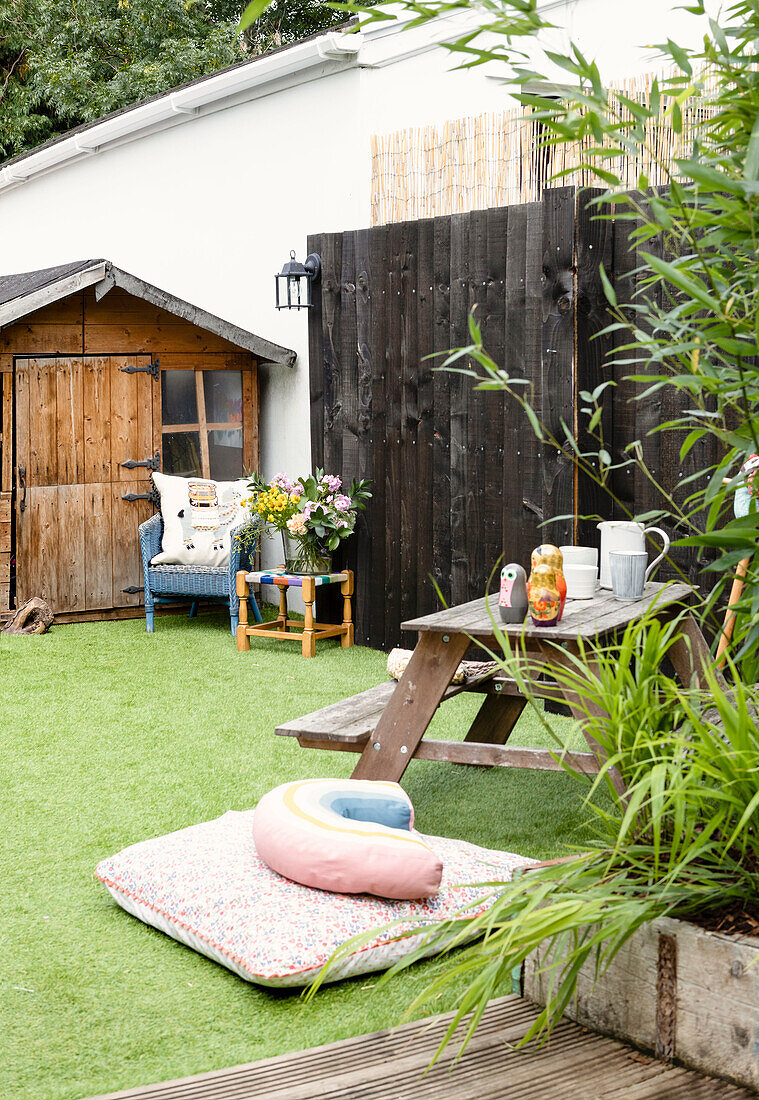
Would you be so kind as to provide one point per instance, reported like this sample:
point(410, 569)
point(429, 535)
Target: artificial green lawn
point(110, 736)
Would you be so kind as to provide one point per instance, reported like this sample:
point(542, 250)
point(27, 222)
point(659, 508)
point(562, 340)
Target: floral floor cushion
point(206, 887)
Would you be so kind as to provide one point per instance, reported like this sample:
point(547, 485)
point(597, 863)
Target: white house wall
point(209, 208)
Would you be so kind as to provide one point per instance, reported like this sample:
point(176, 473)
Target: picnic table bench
point(387, 723)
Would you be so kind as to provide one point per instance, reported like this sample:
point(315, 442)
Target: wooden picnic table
point(387, 724)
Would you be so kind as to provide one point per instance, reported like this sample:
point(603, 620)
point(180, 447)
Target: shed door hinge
point(132, 590)
point(152, 369)
point(153, 496)
point(148, 463)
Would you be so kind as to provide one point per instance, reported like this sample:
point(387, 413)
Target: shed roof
point(28, 291)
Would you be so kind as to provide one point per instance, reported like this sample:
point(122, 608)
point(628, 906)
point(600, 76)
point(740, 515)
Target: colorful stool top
point(292, 580)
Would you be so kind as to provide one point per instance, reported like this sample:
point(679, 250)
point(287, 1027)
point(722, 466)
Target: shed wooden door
point(77, 420)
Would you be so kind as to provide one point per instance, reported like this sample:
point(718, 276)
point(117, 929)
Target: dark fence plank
point(529, 449)
point(425, 439)
point(315, 244)
point(441, 416)
point(458, 475)
point(595, 246)
point(558, 359)
point(514, 478)
point(493, 325)
point(476, 514)
point(461, 389)
point(393, 565)
point(409, 423)
point(332, 249)
point(622, 400)
point(361, 545)
point(648, 415)
point(376, 579)
point(348, 389)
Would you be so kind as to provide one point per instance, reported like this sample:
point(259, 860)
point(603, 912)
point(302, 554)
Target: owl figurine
point(547, 554)
point(544, 597)
point(512, 600)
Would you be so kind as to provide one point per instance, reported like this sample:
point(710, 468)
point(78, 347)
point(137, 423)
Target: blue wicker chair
point(164, 583)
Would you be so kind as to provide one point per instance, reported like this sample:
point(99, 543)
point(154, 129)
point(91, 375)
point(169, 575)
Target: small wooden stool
point(291, 629)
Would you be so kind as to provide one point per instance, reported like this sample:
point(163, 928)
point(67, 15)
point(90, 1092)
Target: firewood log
point(33, 617)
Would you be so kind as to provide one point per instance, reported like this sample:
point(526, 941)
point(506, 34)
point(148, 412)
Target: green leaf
point(679, 279)
point(690, 440)
point(251, 13)
point(611, 296)
point(534, 421)
point(680, 56)
point(751, 166)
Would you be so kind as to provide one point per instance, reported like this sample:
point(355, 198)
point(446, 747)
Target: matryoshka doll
point(548, 554)
point(545, 599)
point(512, 600)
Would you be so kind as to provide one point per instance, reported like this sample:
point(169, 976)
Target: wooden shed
point(105, 378)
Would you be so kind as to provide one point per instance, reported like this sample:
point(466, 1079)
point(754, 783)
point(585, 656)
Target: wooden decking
point(389, 1065)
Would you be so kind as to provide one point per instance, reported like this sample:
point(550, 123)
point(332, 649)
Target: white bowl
point(582, 581)
point(579, 555)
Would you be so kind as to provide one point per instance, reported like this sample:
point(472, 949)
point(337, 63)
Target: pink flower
point(342, 502)
point(282, 481)
point(333, 482)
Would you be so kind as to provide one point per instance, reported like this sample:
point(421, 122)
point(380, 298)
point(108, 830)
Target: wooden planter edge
point(678, 991)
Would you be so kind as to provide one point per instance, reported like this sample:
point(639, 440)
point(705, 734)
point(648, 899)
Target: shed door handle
point(22, 487)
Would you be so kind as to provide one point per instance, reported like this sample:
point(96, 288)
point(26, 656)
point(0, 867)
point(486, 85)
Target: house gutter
point(322, 56)
point(375, 47)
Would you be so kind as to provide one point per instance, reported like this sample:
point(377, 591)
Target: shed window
point(202, 423)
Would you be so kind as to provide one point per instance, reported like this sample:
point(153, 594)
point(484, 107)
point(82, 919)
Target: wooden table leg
point(496, 719)
point(309, 595)
point(581, 706)
point(409, 712)
point(691, 656)
point(243, 591)
point(346, 588)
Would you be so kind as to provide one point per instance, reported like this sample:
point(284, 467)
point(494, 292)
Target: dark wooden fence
point(459, 478)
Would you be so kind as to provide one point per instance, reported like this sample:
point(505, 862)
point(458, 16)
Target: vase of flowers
point(302, 559)
point(313, 514)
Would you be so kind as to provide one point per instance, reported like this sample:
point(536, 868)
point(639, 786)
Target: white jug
point(618, 534)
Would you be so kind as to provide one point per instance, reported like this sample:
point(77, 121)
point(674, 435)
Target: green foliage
point(24, 120)
point(274, 23)
point(85, 58)
point(684, 838)
point(66, 62)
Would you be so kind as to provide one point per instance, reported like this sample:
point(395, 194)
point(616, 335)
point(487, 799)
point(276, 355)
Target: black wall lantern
point(293, 284)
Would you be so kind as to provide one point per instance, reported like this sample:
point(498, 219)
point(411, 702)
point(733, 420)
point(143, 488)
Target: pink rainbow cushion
point(206, 887)
point(352, 836)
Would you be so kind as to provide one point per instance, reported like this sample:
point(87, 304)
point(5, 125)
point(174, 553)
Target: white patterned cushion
point(206, 887)
point(198, 517)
